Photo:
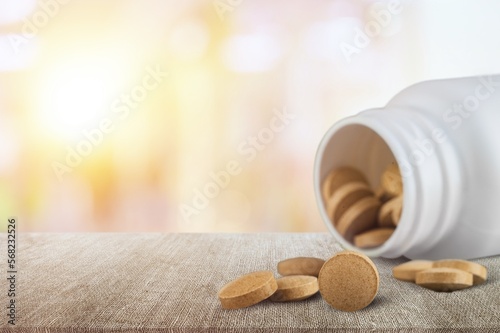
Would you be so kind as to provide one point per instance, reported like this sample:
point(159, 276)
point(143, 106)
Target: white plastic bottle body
point(445, 137)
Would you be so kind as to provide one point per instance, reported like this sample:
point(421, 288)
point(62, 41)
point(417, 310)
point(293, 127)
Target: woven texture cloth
point(169, 282)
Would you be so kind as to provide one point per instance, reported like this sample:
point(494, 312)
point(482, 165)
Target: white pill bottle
point(445, 137)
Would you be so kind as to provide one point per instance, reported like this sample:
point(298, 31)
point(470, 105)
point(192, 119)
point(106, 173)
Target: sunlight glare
point(76, 96)
point(12, 11)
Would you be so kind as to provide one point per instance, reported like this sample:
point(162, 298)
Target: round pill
point(391, 180)
point(248, 290)
point(344, 197)
point(339, 177)
point(360, 217)
point(373, 238)
point(398, 208)
point(478, 271)
point(381, 195)
point(444, 279)
point(300, 266)
point(295, 288)
point(408, 270)
point(385, 215)
point(348, 281)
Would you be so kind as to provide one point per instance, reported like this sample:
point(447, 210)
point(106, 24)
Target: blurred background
point(203, 116)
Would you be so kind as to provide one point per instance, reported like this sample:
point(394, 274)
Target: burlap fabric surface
point(169, 283)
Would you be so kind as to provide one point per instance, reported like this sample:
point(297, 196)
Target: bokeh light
point(209, 82)
point(74, 95)
point(12, 11)
point(251, 53)
point(15, 55)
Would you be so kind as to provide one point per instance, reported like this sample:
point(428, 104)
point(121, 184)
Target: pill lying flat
point(409, 270)
point(391, 180)
point(373, 238)
point(300, 266)
point(295, 288)
point(339, 177)
point(360, 217)
point(478, 271)
point(348, 281)
point(444, 279)
point(248, 290)
point(344, 197)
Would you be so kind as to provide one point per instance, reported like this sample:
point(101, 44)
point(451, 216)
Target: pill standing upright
point(348, 281)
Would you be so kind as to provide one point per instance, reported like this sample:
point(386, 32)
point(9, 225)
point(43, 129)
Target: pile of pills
point(442, 275)
point(363, 216)
point(348, 281)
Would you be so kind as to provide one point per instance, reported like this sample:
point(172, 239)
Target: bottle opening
point(359, 187)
